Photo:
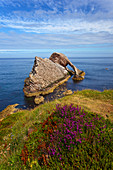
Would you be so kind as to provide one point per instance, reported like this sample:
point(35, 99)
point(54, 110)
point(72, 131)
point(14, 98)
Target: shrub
point(70, 138)
point(82, 139)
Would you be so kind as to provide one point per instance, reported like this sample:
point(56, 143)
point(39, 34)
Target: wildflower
point(59, 149)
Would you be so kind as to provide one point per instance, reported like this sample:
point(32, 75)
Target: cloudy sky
point(56, 24)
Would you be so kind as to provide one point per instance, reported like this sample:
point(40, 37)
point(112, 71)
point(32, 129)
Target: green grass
point(14, 131)
point(106, 95)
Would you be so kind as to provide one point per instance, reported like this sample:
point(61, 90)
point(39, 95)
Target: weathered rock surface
point(64, 61)
point(44, 77)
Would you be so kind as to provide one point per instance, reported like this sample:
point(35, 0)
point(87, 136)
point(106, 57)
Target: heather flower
point(74, 128)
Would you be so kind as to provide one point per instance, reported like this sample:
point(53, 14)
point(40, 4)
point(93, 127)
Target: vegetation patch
point(69, 138)
point(60, 135)
point(106, 95)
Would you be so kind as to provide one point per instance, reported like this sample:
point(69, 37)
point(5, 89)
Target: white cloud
point(59, 26)
point(59, 16)
point(37, 41)
point(64, 23)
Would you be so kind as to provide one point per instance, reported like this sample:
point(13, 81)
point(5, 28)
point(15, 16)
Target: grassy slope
point(16, 125)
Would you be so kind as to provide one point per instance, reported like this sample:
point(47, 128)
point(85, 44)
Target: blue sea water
point(13, 72)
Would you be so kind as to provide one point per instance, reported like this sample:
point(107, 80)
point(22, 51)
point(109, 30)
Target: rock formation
point(44, 77)
point(47, 74)
point(64, 61)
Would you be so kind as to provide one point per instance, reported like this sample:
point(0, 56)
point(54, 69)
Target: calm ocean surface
point(13, 72)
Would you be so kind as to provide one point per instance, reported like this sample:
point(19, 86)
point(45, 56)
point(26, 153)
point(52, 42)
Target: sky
point(71, 25)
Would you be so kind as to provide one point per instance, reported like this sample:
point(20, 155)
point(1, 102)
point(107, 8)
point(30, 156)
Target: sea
point(14, 70)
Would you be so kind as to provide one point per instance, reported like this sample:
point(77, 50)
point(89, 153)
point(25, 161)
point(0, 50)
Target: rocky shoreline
point(45, 77)
point(10, 109)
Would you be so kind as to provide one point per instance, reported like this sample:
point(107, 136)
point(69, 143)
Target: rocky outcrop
point(64, 61)
point(47, 74)
point(44, 77)
point(7, 111)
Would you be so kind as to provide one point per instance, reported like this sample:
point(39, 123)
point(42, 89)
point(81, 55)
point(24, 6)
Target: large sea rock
point(44, 77)
point(47, 74)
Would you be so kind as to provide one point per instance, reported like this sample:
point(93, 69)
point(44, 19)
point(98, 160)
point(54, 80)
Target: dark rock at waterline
point(80, 76)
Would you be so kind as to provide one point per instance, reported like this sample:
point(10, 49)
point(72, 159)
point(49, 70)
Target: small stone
point(67, 92)
point(39, 99)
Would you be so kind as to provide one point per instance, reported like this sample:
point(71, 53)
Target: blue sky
point(56, 24)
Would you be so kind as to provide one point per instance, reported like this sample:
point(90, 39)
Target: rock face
point(64, 61)
point(44, 77)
